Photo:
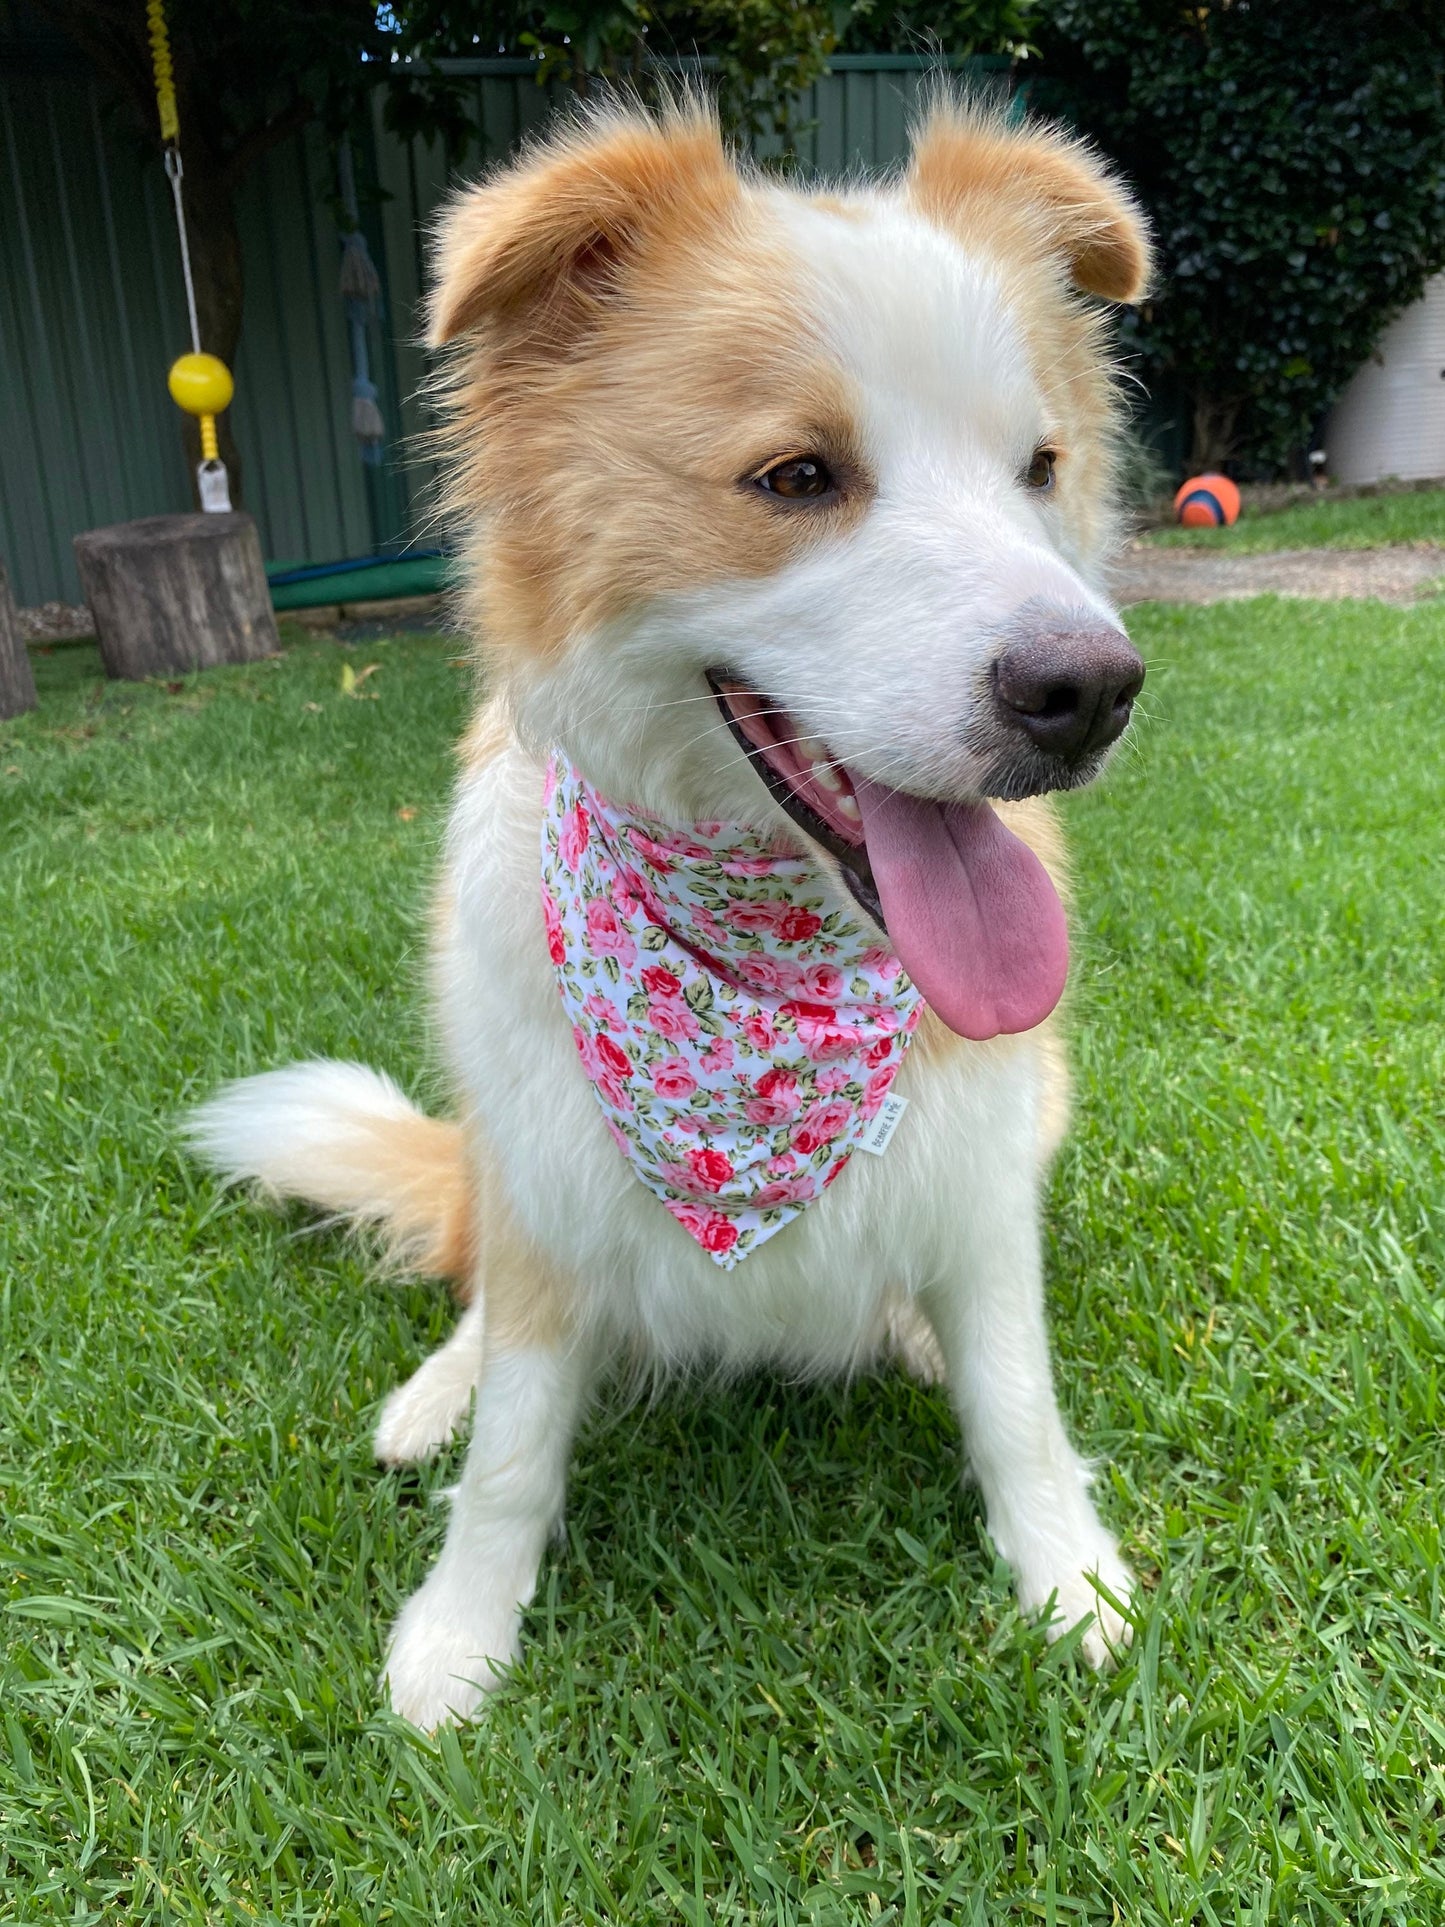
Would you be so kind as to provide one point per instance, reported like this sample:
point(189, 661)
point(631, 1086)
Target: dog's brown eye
point(1040, 471)
point(802, 478)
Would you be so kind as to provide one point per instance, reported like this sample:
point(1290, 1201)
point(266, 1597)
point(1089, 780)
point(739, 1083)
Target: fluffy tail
point(345, 1138)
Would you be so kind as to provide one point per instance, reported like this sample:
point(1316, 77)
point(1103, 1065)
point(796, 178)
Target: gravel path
point(1209, 575)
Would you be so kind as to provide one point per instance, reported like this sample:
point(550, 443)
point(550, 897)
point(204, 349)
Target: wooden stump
point(177, 592)
point(17, 684)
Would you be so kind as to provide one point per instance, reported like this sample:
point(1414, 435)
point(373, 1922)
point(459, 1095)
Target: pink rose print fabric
point(738, 1033)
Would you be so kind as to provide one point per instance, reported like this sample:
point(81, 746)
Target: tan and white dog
point(786, 510)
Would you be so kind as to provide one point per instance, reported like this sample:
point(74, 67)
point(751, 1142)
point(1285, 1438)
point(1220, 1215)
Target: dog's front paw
point(914, 1343)
point(443, 1662)
point(418, 1419)
point(426, 1413)
point(1075, 1595)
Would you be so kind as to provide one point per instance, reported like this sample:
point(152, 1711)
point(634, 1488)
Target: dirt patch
point(1326, 575)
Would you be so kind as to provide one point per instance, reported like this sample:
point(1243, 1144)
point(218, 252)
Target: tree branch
point(108, 36)
point(249, 147)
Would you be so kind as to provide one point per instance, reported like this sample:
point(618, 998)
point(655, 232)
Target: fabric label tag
point(879, 1134)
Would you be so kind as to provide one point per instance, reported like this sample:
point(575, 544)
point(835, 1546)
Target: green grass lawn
point(1363, 522)
point(774, 1674)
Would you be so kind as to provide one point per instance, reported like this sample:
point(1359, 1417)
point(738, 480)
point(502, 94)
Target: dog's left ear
point(976, 174)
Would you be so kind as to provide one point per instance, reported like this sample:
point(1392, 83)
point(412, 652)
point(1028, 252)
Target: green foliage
point(1292, 157)
point(765, 50)
point(774, 1673)
point(248, 74)
point(252, 73)
point(950, 27)
point(758, 53)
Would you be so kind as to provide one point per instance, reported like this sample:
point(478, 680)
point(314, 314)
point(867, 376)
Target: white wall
point(1391, 418)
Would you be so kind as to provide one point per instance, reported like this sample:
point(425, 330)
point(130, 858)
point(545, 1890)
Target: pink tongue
point(970, 911)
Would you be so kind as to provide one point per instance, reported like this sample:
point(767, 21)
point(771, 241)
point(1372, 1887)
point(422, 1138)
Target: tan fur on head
point(627, 335)
point(982, 177)
point(535, 241)
point(624, 261)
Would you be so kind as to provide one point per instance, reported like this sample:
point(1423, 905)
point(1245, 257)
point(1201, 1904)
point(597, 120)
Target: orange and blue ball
point(1207, 501)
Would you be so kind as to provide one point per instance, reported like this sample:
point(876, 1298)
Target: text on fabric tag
point(875, 1139)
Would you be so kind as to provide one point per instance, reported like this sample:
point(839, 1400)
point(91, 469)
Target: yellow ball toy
point(201, 384)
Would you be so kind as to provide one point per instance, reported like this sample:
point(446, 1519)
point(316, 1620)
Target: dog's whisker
point(613, 705)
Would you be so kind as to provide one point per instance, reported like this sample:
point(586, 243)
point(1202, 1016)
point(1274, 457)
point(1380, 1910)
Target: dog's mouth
point(968, 907)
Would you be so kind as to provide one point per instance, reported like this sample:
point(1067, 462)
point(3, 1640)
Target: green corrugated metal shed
point(92, 313)
point(92, 310)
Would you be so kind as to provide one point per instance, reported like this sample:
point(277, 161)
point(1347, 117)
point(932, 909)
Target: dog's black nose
point(1069, 690)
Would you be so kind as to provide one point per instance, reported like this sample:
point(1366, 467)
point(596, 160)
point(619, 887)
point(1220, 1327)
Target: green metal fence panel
point(92, 313)
point(92, 310)
point(292, 414)
point(87, 331)
point(854, 120)
point(413, 178)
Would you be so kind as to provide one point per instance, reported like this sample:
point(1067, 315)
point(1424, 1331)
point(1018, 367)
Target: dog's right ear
point(544, 243)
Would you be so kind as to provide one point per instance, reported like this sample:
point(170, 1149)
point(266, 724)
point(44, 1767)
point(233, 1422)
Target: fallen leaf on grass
point(351, 682)
point(406, 812)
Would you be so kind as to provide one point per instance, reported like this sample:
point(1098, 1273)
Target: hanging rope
point(164, 72)
point(174, 172)
point(171, 134)
point(360, 290)
point(199, 383)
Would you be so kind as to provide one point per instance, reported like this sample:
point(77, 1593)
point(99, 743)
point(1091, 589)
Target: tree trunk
point(177, 592)
point(17, 684)
point(1215, 417)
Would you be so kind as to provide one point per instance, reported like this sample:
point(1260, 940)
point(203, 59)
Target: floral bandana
point(739, 1034)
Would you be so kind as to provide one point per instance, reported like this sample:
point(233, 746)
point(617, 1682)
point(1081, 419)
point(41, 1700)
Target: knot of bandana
point(739, 1034)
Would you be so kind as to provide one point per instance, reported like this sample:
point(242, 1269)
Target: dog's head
point(789, 506)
